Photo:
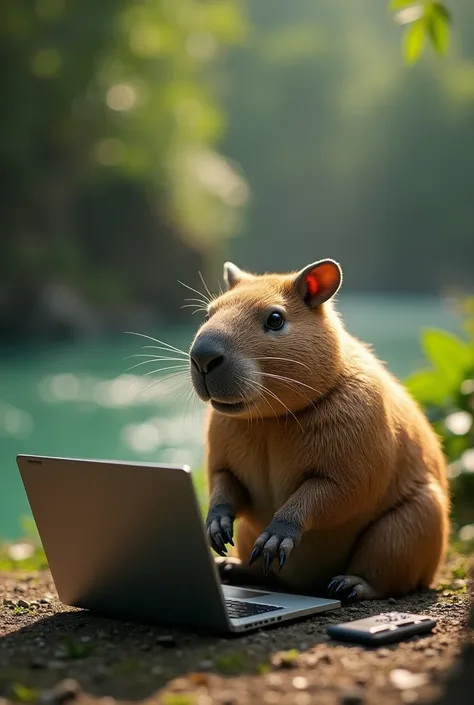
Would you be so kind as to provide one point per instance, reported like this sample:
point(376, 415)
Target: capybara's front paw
point(220, 527)
point(279, 539)
point(350, 588)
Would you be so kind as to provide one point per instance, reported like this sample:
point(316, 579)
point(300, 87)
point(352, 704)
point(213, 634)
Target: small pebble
point(64, 691)
point(406, 680)
point(352, 697)
point(23, 603)
point(206, 665)
point(392, 601)
point(45, 600)
point(9, 603)
point(459, 583)
point(166, 640)
point(20, 588)
point(300, 683)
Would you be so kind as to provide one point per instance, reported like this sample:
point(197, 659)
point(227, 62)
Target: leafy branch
point(423, 21)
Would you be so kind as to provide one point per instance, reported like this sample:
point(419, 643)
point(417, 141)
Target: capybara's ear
point(233, 275)
point(318, 282)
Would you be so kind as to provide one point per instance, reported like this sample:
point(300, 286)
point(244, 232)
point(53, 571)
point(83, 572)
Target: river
point(77, 400)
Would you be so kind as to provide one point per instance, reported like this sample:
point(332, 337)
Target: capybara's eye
point(275, 321)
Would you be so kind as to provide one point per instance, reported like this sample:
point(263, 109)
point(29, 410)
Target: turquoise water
point(75, 400)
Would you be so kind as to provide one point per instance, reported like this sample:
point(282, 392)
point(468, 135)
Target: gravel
point(51, 654)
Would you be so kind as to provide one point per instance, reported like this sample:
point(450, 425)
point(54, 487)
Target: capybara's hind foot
point(233, 572)
point(350, 588)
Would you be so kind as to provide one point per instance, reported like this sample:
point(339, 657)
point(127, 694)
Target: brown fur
point(346, 454)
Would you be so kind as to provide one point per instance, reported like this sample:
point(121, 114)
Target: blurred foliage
point(424, 21)
point(446, 392)
point(116, 116)
point(27, 555)
point(107, 150)
point(343, 146)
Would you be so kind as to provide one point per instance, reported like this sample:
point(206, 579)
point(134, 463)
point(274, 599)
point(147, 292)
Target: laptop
point(126, 540)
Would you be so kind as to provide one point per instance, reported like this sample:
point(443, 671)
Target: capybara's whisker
point(290, 379)
point(170, 350)
point(205, 286)
point(205, 298)
point(282, 359)
point(155, 340)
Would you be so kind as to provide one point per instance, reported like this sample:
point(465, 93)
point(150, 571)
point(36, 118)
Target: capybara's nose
point(206, 354)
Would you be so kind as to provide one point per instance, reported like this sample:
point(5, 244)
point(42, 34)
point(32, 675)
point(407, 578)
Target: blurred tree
point(98, 97)
point(347, 153)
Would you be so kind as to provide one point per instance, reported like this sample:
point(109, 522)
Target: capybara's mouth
point(229, 408)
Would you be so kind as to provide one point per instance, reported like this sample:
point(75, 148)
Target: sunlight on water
point(14, 422)
point(155, 434)
point(79, 400)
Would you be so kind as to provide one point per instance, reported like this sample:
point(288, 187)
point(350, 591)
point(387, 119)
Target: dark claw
point(221, 551)
point(220, 541)
point(352, 595)
point(281, 558)
point(267, 559)
point(254, 555)
point(228, 534)
point(332, 585)
point(340, 587)
point(218, 546)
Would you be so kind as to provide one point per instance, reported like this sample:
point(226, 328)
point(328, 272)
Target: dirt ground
point(52, 654)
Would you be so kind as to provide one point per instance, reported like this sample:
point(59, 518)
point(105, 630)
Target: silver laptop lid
point(125, 539)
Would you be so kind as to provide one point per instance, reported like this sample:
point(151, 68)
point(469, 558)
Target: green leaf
point(438, 21)
point(449, 354)
point(414, 41)
point(441, 10)
point(400, 4)
point(429, 387)
point(23, 693)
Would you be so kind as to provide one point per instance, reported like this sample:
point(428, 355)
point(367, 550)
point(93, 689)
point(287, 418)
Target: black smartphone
point(384, 628)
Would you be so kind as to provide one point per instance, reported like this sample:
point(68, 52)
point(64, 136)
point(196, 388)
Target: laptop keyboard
point(238, 609)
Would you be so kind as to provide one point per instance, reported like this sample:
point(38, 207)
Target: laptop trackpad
point(242, 593)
